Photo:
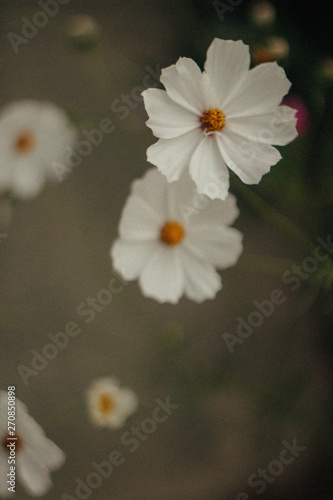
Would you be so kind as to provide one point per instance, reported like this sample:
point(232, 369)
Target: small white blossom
point(109, 405)
point(172, 238)
point(36, 455)
point(33, 135)
point(226, 116)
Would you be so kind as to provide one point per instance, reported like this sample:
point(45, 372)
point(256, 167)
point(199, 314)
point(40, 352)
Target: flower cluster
point(228, 116)
point(175, 229)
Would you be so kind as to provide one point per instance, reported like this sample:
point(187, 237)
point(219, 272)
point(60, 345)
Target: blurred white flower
point(33, 134)
point(83, 30)
point(36, 455)
point(276, 48)
point(172, 238)
point(227, 116)
point(263, 13)
point(109, 404)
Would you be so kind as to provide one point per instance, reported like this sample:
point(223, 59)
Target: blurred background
point(235, 408)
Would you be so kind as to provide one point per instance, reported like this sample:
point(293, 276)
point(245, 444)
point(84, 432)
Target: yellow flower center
point(172, 233)
point(106, 404)
point(25, 142)
point(213, 120)
point(262, 55)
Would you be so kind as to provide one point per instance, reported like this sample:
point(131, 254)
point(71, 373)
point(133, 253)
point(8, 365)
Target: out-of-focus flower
point(302, 112)
point(33, 134)
point(276, 48)
point(36, 455)
point(83, 31)
point(109, 405)
point(263, 14)
point(171, 239)
point(327, 69)
point(222, 117)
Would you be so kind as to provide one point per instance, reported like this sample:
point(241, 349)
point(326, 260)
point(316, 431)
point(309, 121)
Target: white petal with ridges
point(248, 159)
point(173, 156)
point(185, 85)
point(277, 127)
point(167, 119)
point(208, 169)
point(227, 65)
point(260, 92)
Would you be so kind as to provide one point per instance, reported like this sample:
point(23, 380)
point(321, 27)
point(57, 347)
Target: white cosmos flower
point(36, 455)
point(172, 238)
point(109, 404)
point(33, 135)
point(226, 116)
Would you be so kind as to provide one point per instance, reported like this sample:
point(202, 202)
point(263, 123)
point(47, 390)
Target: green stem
point(270, 214)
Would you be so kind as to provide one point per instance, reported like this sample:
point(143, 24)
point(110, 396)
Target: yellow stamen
point(18, 442)
point(25, 142)
point(172, 233)
point(213, 120)
point(262, 55)
point(106, 404)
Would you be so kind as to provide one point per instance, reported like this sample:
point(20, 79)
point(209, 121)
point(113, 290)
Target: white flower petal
point(129, 402)
point(145, 208)
point(166, 118)
point(248, 159)
point(202, 282)
point(27, 180)
point(186, 86)
point(34, 475)
point(217, 212)
point(173, 156)
point(130, 257)
point(227, 65)
point(208, 169)
point(163, 278)
point(260, 92)
point(139, 221)
point(47, 452)
point(182, 196)
point(218, 245)
point(277, 127)
point(152, 189)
